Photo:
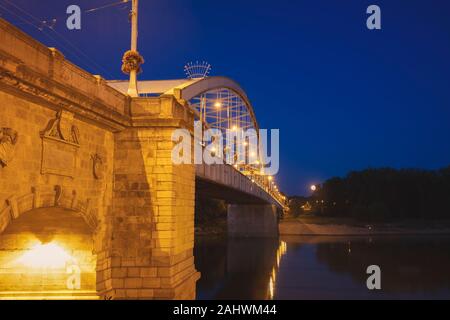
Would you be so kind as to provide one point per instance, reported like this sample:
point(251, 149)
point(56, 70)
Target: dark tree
point(388, 194)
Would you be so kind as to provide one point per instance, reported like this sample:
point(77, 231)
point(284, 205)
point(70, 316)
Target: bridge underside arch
point(47, 253)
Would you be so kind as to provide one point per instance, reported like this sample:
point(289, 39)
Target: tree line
point(382, 194)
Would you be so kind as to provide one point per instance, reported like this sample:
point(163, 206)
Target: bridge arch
point(220, 103)
point(48, 253)
point(47, 196)
point(44, 234)
point(195, 88)
point(189, 89)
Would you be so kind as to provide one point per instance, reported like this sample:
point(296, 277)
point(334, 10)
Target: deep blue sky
point(343, 97)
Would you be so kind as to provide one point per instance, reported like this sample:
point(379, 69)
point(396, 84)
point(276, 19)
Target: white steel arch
point(220, 103)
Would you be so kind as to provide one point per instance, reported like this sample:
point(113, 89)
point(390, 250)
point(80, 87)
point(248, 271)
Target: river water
point(297, 267)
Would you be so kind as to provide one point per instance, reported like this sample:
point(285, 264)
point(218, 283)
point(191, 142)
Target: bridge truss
point(219, 103)
point(230, 113)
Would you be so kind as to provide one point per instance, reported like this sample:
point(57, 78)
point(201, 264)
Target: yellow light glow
point(48, 255)
point(234, 128)
point(270, 178)
point(218, 105)
point(283, 247)
point(271, 289)
point(313, 188)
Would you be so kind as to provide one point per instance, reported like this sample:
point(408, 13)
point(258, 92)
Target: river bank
point(323, 226)
point(328, 227)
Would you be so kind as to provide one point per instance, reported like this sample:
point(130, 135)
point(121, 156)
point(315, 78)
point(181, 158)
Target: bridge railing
point(253, 173)
point(263, 181)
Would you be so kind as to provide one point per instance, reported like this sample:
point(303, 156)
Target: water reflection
point(323, 268)
point(238, 268)
point(409, 265)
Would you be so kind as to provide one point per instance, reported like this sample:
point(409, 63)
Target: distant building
point(307, 206)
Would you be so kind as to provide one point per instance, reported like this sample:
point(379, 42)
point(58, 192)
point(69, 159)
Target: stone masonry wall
point(151, 254)
point(22, 184)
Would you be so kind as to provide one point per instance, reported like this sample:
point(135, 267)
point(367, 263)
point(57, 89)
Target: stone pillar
point(252, 221)
point(149, 254)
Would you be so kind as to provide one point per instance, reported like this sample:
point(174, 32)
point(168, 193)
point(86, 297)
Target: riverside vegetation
point(379, 196)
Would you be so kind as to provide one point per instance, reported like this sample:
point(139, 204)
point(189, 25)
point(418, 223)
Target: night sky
point(344, 97)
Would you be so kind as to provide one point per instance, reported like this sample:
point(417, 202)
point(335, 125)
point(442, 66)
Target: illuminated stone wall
point(24, 186)
point(70, 141)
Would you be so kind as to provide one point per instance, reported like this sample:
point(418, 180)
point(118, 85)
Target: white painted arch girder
point(187, 89)
point(194, 88)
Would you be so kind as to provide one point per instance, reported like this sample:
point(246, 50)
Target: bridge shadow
point(236, 268)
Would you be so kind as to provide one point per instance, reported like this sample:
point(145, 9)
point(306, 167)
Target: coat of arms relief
point(60, 144)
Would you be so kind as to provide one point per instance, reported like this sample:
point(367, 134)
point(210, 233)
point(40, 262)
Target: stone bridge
point(86, 173)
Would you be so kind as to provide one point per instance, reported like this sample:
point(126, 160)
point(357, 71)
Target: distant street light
point(313, 188)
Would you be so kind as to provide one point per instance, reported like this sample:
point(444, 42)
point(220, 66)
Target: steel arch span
point(220, 103)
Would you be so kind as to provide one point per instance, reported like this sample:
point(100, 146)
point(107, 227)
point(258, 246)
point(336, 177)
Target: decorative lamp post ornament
point(132, 60)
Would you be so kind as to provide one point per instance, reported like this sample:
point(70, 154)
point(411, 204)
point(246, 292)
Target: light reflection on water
point(323, 268)
point(282, 249)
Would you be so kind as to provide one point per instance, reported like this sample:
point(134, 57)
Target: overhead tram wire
point(56, 41)
point(80, 54)
point(107, 6)
point(43, 23)
point(26, 22)
point(53, 21)
point(114, 4)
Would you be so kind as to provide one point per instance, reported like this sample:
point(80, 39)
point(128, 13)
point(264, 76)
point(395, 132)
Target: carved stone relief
point(8, 141)
point(98, 164)
point(60, 144)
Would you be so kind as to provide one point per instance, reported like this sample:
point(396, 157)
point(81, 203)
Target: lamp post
point(132, 89)
point(132, 60)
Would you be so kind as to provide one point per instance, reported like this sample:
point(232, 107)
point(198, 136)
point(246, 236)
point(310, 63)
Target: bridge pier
point(253, 221)
point(149, 244)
